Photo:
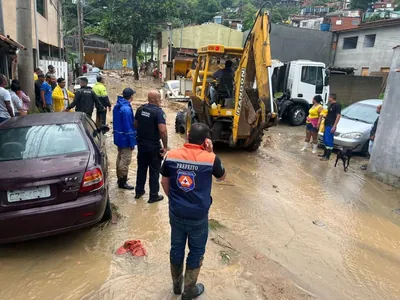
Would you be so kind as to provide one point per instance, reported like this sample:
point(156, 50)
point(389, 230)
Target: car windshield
point(40, 141)
point(361, 112)
point(174, 85)
point(91, 80)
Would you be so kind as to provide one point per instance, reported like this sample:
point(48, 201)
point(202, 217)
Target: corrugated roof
point(11, 42)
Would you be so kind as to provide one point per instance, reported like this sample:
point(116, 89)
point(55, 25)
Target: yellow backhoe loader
point(236, 112)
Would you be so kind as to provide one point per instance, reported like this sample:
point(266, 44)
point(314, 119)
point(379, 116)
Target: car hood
point(346, 126)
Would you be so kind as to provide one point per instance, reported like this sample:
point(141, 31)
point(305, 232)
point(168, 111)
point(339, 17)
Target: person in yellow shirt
point(36, 73)
point(61, 95)
point(124, 63)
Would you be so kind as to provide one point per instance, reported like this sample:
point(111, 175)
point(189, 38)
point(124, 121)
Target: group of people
point(331, 121)
point(52, 95)
point(186, 180)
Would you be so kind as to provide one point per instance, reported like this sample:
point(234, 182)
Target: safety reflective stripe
point(200, 163)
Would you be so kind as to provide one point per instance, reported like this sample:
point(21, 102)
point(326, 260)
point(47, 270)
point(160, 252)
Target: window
point(369, 40)
point(355, 22)
point(91, 129)
point(313, 75)
point(40, 141)
point(41, 7)
point(350, 42)
point(338, 22)
point(385, 70)
point(364, 71)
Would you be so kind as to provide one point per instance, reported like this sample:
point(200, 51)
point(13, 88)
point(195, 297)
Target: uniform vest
point(190, 169)
point(148, 135)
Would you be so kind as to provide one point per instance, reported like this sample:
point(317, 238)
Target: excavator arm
point(254, 108)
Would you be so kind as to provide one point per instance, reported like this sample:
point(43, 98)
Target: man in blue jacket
point(124, 136)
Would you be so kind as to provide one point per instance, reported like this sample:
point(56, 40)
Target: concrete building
point(311, 23)
point(191, 38)
point(48, 24)
point(385, 159)
point(368, 48)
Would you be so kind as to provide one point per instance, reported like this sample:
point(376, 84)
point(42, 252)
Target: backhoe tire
point(180, 123)
point(189, 120)
point(255, 144)
point(297, 115)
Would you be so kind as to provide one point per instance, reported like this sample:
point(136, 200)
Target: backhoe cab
point(226, 100)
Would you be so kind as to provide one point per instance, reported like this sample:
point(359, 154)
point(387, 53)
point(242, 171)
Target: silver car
point(170, 90)
point(355, 125)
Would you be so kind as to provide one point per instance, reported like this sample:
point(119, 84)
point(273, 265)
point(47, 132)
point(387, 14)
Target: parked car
point(54, 175)
point(355, 125)
point(170, 91)
point(92, 79)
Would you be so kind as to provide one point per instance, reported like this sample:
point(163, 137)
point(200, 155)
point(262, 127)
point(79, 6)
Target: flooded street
point(284, 226)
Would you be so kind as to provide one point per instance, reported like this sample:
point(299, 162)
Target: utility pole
point(59, 28)
point(1, 17)
point(80, 33)
point(25, 58)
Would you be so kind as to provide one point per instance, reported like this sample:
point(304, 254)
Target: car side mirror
point(104, 129)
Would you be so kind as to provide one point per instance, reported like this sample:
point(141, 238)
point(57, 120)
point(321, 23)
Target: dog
point(345, 155)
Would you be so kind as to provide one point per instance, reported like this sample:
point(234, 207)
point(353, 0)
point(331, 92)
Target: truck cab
point(299, 81)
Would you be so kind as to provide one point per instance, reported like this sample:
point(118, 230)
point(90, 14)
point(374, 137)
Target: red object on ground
point(134, 246)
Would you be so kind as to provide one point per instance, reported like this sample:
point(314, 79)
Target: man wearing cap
point(85, 99)
point(124, 136)
point(151, 127)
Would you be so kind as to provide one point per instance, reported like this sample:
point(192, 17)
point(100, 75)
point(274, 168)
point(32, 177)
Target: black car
point(54, 175)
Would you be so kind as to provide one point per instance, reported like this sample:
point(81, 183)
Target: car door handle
point(299, 95)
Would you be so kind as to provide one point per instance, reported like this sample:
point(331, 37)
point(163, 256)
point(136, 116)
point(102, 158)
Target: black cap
point(128, 92)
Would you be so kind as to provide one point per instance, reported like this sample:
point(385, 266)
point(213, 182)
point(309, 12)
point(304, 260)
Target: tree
point(134, 21)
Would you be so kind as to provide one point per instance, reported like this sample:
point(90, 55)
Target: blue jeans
point(328, 137)
point(193, 231)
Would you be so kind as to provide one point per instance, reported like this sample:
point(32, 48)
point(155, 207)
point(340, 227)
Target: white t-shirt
point(16, 101)
point(5, 96)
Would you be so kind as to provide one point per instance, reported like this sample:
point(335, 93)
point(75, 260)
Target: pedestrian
point(46, 92)
point(124, 136)
point(61, 95)
point(52, 72)
point(331, 122)
point(6, 106)
point(101, 92)
point(372, 135)
point(20, 99)
point(36, 73)
point(312, 124)
point(85, 99)
point(38, 85)
point(93, 63)
point(124, 64)
point(187, 180)
point(151, 126)
point(84, 67)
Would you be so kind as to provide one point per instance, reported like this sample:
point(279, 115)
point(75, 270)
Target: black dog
point(345, 155)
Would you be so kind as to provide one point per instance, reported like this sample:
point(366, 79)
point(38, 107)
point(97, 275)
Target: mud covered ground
point(283, 226)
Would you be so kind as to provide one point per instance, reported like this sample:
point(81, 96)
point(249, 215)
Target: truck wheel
point(297, 116)
point(255, 144)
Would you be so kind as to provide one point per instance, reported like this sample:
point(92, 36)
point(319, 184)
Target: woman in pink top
point(23, 111)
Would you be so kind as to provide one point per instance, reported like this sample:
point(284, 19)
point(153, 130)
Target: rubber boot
point(177, 278)
point(305, 146)
point(323, 155)
point(328, 155)
point(122, 184)
point(192, 288)
point(155, 199)
point(314, 148)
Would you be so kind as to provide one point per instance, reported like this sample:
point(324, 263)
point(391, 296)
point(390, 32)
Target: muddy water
point(294, 228)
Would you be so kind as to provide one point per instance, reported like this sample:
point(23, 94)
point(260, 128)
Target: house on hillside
point(367, 48)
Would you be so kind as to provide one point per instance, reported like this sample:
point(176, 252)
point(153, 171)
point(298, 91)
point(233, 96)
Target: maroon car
point(54, 175)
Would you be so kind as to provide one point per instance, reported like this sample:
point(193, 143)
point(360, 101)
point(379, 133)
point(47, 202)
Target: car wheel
point(297, 115)
point(364, 151)
point(107, 212)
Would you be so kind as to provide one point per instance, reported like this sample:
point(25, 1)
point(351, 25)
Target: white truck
point(299, 81)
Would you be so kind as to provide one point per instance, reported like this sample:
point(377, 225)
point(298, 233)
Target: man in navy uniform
point(151, 128)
